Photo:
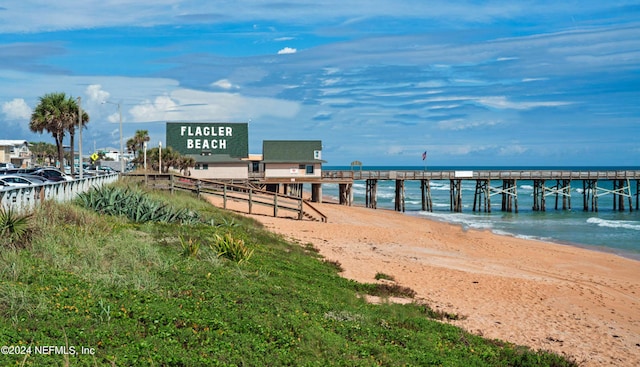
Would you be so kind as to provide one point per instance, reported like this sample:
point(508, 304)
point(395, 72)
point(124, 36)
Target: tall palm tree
point(72, 109)
point(56, 113)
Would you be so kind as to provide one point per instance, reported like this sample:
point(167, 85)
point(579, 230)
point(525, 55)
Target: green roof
point(291, 151)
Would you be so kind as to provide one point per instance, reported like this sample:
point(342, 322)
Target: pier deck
point(546, 183)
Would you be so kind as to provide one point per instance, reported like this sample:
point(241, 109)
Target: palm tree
point(184, 163)
point(42, 150)
point(72, 123)
point(137, 143)
point(56, 113)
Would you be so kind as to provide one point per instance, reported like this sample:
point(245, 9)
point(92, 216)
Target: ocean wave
point(626, 224)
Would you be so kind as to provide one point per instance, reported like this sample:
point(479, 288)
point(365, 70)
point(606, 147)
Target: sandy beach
point(570, 300)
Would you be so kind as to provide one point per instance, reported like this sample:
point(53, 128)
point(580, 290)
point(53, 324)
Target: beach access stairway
point(278, 204)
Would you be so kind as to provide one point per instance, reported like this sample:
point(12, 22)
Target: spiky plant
point(15, 227)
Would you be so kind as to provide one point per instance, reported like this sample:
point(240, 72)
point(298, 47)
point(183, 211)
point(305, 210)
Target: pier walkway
point(556, 183)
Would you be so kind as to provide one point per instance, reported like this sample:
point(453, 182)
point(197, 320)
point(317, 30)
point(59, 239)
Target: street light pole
point(121, 142)
point(144, 145)
point(79, 136)
point(160, 157)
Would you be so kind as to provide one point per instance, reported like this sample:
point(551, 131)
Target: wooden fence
point(237, 192)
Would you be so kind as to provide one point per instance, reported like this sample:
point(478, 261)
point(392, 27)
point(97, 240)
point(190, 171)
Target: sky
point(472, 83)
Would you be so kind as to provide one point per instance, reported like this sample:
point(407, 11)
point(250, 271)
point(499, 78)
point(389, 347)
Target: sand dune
point(570, 300)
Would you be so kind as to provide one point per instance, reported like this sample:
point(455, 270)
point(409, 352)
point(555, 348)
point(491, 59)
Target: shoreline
point(573, 301)
point(416, 213)
point(598, 248)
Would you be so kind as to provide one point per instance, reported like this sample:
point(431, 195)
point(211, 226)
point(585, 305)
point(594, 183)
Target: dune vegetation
point(84, 286)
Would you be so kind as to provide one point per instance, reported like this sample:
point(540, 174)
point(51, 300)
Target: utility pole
point(80, 136)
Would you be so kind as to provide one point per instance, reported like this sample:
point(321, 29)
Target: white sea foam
point(626, 224)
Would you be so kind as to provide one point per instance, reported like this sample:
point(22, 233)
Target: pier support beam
point(456, 195)
point(539, 196)
point(345, 193)
point(482, 196)
point(316, 193)
point(621, 189)
point(590, 194)
point(637, 194)
point(400, 196)
point(563, 188)
point(425, 189)
point(371, 196)
point(509, 195)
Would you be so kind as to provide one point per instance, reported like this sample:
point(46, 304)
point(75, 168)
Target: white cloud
point(16, 109)
point(156, 110)
point(193, 105)
point(460, 124)
point(223, 83)
point(96, 94)
point(287, 50)
point(512, 150)
point(502, 102)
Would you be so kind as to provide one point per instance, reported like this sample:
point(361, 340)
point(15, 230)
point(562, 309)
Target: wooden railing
point(481, 174)
point(229, 191)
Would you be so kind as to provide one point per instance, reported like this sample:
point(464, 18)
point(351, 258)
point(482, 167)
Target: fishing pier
point(502, 183)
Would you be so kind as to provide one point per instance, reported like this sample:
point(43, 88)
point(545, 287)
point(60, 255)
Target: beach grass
point(107, 291)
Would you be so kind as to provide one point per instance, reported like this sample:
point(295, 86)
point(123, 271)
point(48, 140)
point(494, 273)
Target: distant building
point(16, 152)
point(221, 152)
point(220, 149)
point(300, 160)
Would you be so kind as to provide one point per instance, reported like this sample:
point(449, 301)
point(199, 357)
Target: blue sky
point(524, 83)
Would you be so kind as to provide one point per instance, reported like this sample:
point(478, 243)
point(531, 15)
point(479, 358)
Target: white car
point(17, 181)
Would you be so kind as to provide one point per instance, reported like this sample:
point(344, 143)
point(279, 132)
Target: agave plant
point(134, 205)
point(231, 248)
point(15, 228)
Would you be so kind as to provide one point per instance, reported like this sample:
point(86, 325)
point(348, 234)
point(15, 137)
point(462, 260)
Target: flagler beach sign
point(209, 138)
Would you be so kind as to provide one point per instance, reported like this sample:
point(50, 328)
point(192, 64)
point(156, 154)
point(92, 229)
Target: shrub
point(231, 248)
point(190, 247)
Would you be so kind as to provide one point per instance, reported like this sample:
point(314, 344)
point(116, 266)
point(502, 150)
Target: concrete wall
point(237, 171)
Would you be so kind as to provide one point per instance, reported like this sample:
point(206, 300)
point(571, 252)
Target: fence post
point(250, 201)
point(224, 196)
point(275, 205)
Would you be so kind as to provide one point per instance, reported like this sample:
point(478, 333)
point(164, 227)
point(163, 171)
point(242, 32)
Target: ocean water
point(606, 230)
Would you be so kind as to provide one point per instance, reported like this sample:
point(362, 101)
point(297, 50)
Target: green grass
point(160, 294)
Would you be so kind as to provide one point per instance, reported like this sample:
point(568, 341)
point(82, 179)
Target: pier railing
point(482, 174)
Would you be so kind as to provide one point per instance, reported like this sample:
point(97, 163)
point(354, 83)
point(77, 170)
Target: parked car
point(17, 181)
point(34, 178)
point(52, 174)
point(6, 166)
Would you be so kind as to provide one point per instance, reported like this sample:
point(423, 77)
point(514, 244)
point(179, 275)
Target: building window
point(317, 154)
point(309, 169)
